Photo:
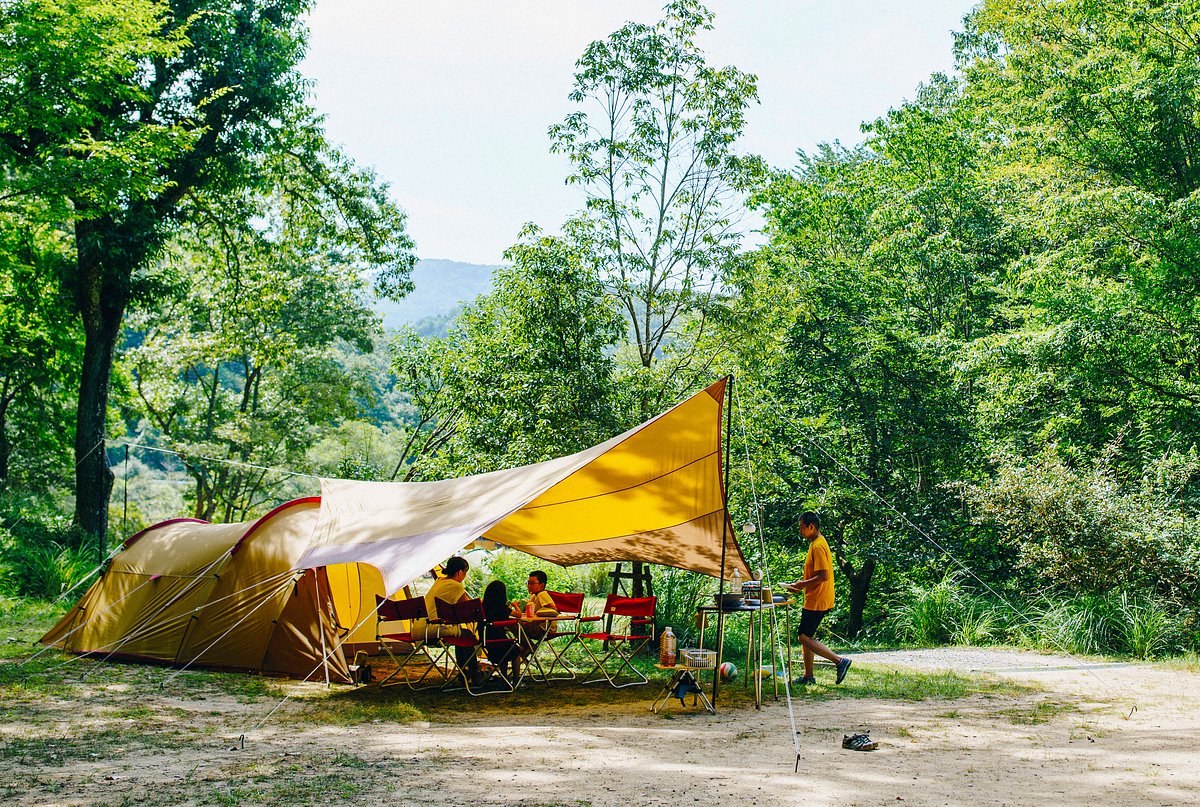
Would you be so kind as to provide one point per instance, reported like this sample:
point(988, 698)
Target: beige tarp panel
point(652, 494)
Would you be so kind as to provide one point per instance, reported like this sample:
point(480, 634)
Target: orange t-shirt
point(820, 596)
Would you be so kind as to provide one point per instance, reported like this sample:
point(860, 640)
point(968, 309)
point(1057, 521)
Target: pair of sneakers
point(859, 742)
point(843, 667)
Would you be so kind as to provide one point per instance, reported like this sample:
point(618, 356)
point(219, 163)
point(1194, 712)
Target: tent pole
point(724, 539)
point(320, 621)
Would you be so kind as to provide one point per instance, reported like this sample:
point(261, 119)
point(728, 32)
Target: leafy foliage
point(526, 373)
point(653, 147)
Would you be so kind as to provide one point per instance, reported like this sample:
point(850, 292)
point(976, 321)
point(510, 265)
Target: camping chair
point(557, 639)
point(387, 632)
point(469, 615)
point(637, 616)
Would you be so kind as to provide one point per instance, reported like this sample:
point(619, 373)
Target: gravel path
point(983, 659)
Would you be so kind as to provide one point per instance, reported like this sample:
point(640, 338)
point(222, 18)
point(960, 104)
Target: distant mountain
point(442, 288)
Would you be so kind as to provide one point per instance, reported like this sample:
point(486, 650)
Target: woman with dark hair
point(504, 653)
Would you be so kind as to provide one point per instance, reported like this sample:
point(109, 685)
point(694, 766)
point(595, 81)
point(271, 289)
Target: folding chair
point(469, 615)
point(566, 627)
point(637, 615)
point(388, 631)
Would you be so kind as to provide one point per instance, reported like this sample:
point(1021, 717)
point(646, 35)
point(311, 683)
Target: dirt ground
point(1094, 734)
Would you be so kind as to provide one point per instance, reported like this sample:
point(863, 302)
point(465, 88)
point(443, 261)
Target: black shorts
point(809, 620)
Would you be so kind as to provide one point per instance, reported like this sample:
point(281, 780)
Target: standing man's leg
point(809, 621)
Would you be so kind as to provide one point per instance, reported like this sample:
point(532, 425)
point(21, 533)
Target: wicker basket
point(697, 658)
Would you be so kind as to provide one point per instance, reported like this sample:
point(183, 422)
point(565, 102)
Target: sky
point(449, 100)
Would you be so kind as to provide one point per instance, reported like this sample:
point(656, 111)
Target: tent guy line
point(777, 648)
point(249, 465)
point(266, 599)
point(779, 410)
point(147, 624)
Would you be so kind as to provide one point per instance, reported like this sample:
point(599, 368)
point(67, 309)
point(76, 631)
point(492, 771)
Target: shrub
point(1084, 529)
point(43, 561)
point(926, 615)
point(1148, 628)
point(679, 593)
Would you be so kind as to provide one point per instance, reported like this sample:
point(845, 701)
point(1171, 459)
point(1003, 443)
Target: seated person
point(449, 588)
point(495, 607)
point(539, 604)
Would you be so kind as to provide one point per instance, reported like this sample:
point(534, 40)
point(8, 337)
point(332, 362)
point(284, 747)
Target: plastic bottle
point(666, 648)
point(735, 583)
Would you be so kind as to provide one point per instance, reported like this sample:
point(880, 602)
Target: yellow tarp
point(653, 494)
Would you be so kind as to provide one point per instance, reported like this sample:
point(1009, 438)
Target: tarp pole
point(725, 413)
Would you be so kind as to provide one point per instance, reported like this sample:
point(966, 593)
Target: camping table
point(756, 632)
point(667, 692)
point(535, 645)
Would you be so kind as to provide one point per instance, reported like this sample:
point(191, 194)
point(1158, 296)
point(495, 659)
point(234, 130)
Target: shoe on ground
point(859, 742)
point(805, 680)
point(843, 667)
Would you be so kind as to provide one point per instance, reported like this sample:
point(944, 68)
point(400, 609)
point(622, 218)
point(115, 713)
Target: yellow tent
point(284, 592)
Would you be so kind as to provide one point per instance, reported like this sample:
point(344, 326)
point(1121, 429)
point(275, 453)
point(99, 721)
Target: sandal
point(859, 742)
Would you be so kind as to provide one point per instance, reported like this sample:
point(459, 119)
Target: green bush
point(679, 593)
point(1084, 527)
point(42, 561)
point(926, 615)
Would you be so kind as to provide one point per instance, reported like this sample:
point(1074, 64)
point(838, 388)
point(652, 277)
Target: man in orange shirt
point(817, 586)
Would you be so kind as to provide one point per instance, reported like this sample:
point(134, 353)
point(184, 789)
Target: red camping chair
point(469, 615)
point(388, 632)
point(636, 615)
point(558, 639)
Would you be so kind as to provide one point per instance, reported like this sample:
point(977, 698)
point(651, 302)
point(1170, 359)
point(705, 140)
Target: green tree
point(243, 366)
point(653, 147)
point(851, 324)
point(127, 116)
point(1096, 107)
point(526, 374)
point(39, 346)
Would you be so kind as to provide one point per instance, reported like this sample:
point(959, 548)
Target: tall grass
point(43, 561)
point(1148, 628)
point(944, 613)
point(1115, 623)
point(1110, 624)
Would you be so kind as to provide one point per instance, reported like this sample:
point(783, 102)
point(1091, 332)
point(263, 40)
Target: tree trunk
point(860, 584)
point(102, 305)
